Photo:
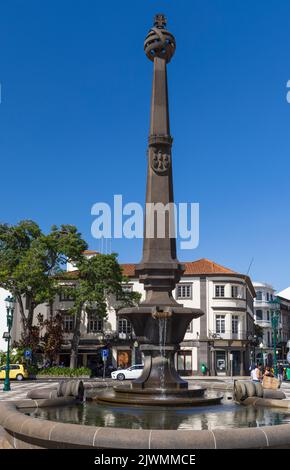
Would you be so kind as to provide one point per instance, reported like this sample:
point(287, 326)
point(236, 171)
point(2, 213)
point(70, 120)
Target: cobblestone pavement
point(19, 390)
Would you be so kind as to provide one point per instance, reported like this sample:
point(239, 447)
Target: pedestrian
point(268, 372)
point(281, 372)
point(256, 374)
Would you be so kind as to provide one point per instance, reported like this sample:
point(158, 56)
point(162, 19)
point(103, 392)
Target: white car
point(131, 373)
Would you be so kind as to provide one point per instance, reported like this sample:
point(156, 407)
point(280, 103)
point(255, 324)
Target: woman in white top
point(255, 374)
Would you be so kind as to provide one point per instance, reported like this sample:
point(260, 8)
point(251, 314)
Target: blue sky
point(74, 119)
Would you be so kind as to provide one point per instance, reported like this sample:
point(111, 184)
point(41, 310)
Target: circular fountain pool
point(226, 415)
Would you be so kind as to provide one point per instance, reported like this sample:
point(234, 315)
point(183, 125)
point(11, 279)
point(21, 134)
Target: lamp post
point(274, 323)
point(10, 311)
point(261, 345)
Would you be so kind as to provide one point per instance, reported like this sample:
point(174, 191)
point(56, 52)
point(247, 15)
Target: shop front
point(230, 358)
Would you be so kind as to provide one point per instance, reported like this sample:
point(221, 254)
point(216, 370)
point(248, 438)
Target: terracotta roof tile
point(205, 266)
point(201, 266)
point(128, 269)
point(192, 268)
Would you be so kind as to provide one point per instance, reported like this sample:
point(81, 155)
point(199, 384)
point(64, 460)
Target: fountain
point(56, 419)
point(160, 323)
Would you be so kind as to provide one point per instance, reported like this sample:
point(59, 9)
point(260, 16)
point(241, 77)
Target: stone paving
point(19, 390)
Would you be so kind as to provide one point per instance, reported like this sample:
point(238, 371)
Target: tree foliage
point(29, 259)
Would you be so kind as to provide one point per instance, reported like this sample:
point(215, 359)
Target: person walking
point(256, 374)
point(281, 372)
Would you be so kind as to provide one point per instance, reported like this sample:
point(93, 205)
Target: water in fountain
point(162, 324)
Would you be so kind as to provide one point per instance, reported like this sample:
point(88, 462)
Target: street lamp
point(275, 321)
point(261, 346)
point(10, 311)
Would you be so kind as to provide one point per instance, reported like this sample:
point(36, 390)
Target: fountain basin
point(28, 432)
point(158, 397)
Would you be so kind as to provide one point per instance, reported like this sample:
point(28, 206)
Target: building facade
point(284, 298)
point(221, 338)
point(265, 305)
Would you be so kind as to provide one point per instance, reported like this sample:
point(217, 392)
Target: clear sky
point(74, 119)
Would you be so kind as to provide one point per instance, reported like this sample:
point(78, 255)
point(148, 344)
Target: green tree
point(29, 261)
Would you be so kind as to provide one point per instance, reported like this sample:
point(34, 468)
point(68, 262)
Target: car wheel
point(19, 377)
point(121, 377)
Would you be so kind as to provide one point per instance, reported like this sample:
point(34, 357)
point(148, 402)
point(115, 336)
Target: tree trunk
point(76, 339)
point(51, 310)
point(29, 321)
point(22, 314)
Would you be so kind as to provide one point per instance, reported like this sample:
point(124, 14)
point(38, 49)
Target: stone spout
point(161, 313)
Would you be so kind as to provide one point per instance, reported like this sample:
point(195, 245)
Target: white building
point(264, 307)
point(221, 338)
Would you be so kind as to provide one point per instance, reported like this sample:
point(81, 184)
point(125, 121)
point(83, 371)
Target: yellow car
point(17, 371)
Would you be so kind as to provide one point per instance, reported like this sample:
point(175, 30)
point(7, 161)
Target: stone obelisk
point(159, 269)
point(159, 322)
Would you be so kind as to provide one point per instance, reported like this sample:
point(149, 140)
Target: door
point(221, 363)
point(236, 362)
point(184, 362)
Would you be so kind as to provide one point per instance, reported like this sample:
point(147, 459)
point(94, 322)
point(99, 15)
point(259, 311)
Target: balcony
point(228, 335)
point(264, 323)
point(267, 324)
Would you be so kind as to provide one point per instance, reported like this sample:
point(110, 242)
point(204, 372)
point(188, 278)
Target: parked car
point(131, 373)
point(17, 371)
point(99, 371)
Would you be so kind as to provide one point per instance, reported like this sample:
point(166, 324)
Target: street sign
point(288, 356)
point(105, 354)
point(27, 353)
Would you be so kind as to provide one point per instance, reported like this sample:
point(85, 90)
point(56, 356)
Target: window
point(95, 323)
point(184, 291)
point(124, 326)
point(235, 324)
point(259, 295)
point(268, 315)
point(267, 296)
point(219, 291)
point(269, 338)
point(65, 297)
point(235, 292)
point(125, 289)
point(137, 367)
point(68, 323)
point(259, 315)
point(189, 328)
point(220, 322)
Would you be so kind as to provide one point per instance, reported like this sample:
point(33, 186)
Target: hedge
point(65, 371)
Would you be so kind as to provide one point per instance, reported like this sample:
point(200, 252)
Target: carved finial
point(160, 21)
point(159, 42)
